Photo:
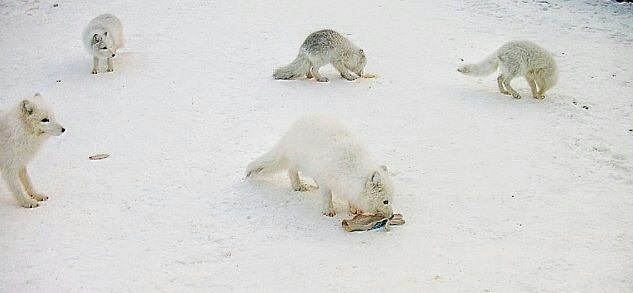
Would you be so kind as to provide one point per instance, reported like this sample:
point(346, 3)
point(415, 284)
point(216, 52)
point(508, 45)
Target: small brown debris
point(99, 157)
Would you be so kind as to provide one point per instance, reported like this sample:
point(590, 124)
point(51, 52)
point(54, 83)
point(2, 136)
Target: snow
point(499, 195)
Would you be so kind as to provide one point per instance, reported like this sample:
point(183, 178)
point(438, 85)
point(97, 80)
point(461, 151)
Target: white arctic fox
point(323, 47)
point(102, 38)
point(519, 58)
point(22, 132)
point(324, 149)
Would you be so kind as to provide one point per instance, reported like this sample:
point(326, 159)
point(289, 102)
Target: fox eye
point(45, 120)
point(386, 202)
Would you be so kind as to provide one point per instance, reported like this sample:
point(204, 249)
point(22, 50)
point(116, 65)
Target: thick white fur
point(322, 148)
point(519, 58)
point(102, 38)
point(23, 130)
point(321, 48)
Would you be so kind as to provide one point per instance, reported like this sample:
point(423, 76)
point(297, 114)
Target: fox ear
point(95, 39)
point(362, 52)
point(384, 168)
point(375, 178)
point(105, 34)
point(26, 107)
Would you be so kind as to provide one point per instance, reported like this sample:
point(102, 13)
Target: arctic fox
point(102, 38)
point(324, 149)
point(323, 47)
point(22, 132)
point(519, 58)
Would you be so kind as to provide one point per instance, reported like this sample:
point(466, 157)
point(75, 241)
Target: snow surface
point(499, 195)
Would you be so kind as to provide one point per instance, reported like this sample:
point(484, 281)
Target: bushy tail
point(269, 163)
point(299, 67)
point(486, 67)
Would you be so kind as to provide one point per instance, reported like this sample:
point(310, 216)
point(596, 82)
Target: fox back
point(323, 148)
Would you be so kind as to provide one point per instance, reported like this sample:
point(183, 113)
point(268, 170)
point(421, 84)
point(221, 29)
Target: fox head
point(378, 193)
point(357, 62)
point(103, 45)
point(37, 117)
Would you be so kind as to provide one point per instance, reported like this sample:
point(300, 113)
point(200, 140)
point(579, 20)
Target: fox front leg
point(354, 210)
point(13, 182)
point(110, 64)
point(343, 70)
point(328, 206)
point(28, 186)
point(95, 65)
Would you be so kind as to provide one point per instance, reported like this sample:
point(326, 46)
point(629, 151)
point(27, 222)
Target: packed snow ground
point(499, 195)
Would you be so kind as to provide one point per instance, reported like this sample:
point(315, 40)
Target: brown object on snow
point(98, 157)
point(366, 222)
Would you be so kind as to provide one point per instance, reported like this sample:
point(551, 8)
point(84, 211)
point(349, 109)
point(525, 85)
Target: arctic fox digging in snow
point(102, 38)
point(323, 47)
point(22, 132)
point(322, 148)
point(518, 58)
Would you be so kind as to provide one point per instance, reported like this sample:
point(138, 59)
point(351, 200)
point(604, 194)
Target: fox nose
point(113, 55)
point(63, 129)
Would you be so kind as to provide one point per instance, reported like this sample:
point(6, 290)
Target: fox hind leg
point(502, 88)
point(309, 73)
point(295, 181)
point(506, 83)
point(317, 61)
point(317, 75)
point(508, 71)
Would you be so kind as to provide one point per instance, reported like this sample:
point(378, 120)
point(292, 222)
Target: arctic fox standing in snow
point(519, 58)
point(22, 132)
point(323, 47)
point(324, 149)
point(102, 38)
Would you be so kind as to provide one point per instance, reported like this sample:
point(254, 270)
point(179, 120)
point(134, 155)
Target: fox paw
point(539, 97)
point(30, 203)
point(516, 96)
point(355, 211)
point(94, 71)
point(322, 79)
point(330, 212)
point(349, 77)
point(39, 197)
point(303, 187)
point(109, 69)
